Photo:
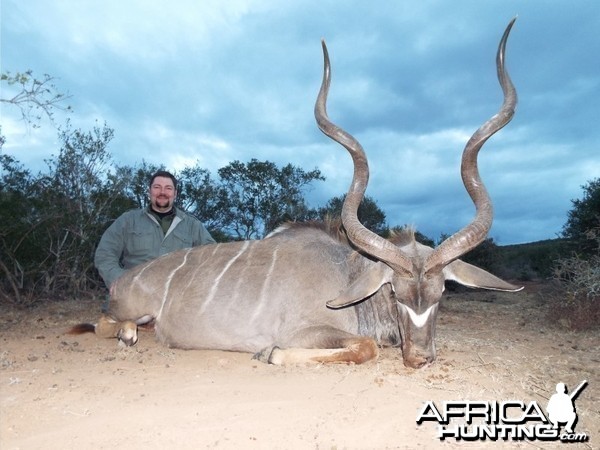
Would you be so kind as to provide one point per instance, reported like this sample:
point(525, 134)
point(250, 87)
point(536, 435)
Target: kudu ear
point(364, 286)
point(472, 276)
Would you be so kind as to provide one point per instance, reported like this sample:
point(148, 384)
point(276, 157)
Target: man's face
point(162, 194)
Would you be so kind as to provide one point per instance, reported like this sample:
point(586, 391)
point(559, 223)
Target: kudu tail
point(124, 331)
point(82, 328)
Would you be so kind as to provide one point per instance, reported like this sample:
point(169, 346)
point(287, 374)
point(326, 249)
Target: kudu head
point(417, 273)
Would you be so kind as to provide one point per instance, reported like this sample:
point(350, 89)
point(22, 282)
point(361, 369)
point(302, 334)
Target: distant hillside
point(532, 261)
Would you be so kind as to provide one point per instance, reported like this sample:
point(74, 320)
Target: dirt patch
point(59, 391)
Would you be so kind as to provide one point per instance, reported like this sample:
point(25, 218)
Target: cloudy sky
point(186, 81)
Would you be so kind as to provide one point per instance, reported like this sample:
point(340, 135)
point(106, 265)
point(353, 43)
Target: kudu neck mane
point(333, 227)
point(379, 318)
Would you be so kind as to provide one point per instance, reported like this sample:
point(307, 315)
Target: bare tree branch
point(35, 98)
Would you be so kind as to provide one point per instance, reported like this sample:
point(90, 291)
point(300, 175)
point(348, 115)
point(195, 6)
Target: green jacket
point(137, 236)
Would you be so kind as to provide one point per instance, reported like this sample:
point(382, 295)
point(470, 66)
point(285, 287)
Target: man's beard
point(163, 202)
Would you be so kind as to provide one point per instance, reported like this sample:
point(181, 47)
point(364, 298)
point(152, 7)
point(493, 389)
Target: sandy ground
point(60, 392)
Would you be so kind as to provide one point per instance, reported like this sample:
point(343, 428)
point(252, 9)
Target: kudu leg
point(125, 331)
point(321, 345)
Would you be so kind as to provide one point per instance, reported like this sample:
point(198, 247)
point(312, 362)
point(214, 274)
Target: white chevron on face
point(419, 319)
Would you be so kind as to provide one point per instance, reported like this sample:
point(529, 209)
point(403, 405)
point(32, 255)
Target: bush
point(583, 217)
point(575, 303)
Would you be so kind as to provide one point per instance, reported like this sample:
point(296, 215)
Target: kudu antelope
point(313, 292)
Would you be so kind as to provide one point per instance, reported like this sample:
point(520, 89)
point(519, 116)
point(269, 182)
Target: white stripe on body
point(213, 290)
point(198, 268)
point(135, 279)
point(266, 284)
point(279, 229)
point(168, 284)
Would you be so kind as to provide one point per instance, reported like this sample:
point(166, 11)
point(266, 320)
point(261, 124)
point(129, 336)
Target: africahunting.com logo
point(507, 420)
